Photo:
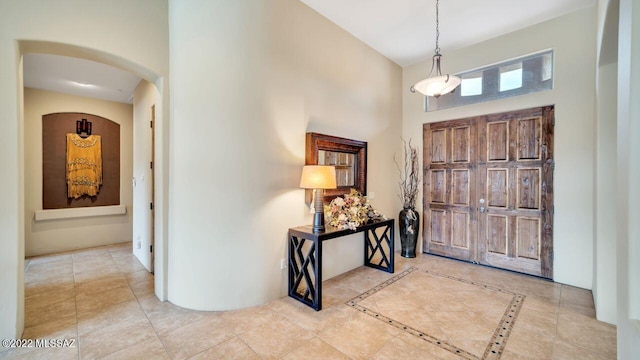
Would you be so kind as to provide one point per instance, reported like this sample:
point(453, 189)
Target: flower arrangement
point(410, 177)
point(351, 211)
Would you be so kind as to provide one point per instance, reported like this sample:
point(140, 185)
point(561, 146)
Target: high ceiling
point(402, 30)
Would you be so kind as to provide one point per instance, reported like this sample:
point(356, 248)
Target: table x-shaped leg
point(381, 246)
point(301, 262)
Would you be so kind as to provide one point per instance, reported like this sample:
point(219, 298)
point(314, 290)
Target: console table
point(305, 256)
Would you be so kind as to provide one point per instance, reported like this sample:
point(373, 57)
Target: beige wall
point(138, 42)
point(573, 39)
point(270, 71)
point(49, 236)
point(628, 178)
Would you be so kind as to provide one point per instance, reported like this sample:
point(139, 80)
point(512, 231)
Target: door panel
point(497, 195)
point(528, 188)
point(460, 140)
point(497, 138)
point(489, 190)
point(529, 138)
point(438, 186)
point(459, 229)
point(438, 226)
point(438, 146)
point(528, 233)
point(460, 187)
point(450, 189)
point(497, 228)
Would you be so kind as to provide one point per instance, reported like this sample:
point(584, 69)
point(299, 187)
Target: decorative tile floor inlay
point(439, 309)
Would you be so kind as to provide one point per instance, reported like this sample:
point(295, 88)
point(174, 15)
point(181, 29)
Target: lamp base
point(318, 216)
point(318, 222)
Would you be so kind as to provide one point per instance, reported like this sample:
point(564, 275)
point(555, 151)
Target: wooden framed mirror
point(347, 155)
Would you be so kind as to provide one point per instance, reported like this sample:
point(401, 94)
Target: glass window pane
point(471, 86)
point(547, 65)
point(511, 77)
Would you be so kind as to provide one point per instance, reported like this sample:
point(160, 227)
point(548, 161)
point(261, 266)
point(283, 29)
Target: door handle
point(481, 209)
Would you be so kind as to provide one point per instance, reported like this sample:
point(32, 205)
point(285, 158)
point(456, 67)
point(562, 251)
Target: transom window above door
point(514, 77)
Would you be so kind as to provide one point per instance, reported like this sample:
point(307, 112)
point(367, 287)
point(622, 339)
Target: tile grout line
point(333, 347)
point(76, 303)
point(140, 306)
point(75, 300)
point(155, 331)
point(244, 342)
point(555, 337)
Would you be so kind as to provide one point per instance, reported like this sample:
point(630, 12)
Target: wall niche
point(54, 150)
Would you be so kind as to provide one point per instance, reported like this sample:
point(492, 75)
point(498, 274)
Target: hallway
point(430, 308)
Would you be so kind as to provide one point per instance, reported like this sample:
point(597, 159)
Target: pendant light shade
point(437, 84)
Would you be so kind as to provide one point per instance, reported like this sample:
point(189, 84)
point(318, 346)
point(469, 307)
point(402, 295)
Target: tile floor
point(430, 308)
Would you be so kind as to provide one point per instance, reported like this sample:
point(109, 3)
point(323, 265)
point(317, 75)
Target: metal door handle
point(481, 209)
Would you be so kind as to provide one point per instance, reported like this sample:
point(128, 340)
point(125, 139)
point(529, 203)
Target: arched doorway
point(160, 115)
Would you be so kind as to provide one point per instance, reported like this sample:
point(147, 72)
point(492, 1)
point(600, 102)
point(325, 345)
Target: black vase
point(409, 222)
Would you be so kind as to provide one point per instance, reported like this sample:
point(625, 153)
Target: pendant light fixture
point(437, 84)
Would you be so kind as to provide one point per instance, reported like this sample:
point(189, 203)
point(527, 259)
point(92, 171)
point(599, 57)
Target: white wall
point(132, 35)
point(604, 282)
point(604, 255)
point(573, 39)
point(144, 97)
point(45, 237)
point(249, 78)
point(628, 178)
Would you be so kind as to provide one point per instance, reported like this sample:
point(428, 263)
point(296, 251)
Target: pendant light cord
point(436, 85)
point(437, 27)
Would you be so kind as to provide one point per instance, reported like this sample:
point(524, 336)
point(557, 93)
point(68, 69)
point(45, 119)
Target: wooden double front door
point(488, 190)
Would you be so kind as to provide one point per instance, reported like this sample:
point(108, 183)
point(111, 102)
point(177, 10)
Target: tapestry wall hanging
point(84, 165)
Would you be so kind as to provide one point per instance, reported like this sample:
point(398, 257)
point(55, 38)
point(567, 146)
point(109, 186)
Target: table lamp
point(318, 178)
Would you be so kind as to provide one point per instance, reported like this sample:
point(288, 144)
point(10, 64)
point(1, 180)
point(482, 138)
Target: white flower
point(351, 211)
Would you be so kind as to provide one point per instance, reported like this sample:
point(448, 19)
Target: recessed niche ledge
point(56, 214)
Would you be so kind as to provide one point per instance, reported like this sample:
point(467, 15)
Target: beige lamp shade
point(318, 177)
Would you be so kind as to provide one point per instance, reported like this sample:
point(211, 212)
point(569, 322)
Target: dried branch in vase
point(410, 176)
